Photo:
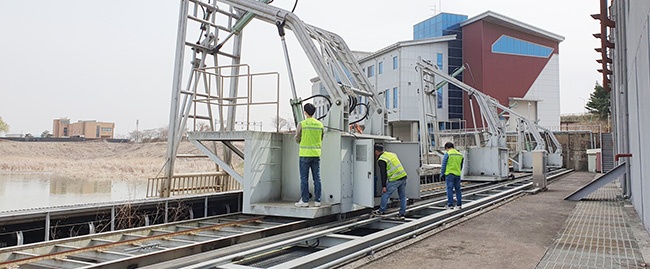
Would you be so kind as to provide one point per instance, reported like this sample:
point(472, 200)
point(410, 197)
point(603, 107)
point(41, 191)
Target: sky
point(112, 61)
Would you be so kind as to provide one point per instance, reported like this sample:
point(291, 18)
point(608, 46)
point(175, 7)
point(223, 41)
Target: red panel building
point(516, 63)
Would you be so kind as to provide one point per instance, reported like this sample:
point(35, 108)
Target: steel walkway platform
point(598, 234)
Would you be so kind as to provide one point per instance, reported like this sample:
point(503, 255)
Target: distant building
point(90, 129)
point(514, 62)
point(391, 71)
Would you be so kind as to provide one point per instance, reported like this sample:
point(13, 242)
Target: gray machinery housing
point(487, 159)
point(270, 179)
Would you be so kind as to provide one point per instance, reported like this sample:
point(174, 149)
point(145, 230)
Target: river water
point(36, 190)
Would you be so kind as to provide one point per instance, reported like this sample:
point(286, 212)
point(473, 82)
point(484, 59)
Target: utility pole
point(137, 133)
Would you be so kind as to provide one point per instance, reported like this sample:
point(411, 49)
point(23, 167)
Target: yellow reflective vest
point(311, 137)
point(454, 161)
point(394, 169)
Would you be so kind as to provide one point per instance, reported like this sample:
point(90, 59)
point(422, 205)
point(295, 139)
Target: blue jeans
point(305, 164)
point(453, 183)
point(400, 186)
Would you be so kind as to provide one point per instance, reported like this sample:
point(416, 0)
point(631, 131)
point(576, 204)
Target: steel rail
point(186, 237)
point(143, 250)
point(357, 245)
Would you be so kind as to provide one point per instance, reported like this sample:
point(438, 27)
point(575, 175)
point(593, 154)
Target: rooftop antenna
point(437, 9)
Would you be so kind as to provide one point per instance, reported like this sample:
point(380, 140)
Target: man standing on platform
point(452, 165)
point(309, 134)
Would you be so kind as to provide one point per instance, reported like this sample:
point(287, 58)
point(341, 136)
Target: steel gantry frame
point(490, 111)
point(222, 38)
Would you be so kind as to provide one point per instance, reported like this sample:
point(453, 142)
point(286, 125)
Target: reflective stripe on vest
point(394, 168)
point(453, 162)
point(311, 136)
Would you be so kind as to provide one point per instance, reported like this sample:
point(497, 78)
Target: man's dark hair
point(449, 145)
point(379, 147)
point(310, 109)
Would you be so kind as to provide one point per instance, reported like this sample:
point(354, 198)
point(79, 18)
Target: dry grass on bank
point(99, 160)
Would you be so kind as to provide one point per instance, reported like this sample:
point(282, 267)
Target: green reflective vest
point(454, 162)
point(394, 169)
point(311, 137)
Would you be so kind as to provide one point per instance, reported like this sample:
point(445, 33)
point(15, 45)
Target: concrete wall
point(631, 88)
point(574, 148)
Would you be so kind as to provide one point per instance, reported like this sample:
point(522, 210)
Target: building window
point(439, 97)
point(106, 129)
point(395, 97)
point(387, 95)
point(511, 45)
point(359, 107)
point(371, 71)
point(439, 61)
point(380, 68)
point(394, 62)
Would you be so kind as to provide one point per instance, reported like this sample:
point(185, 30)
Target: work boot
point(300, 203)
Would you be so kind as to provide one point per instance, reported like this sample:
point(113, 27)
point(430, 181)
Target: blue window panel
point(394, 62)
point(349, 75)
point(371, 71)
point(387, 98)
point(360, 107)
point(380, 68)
point(510, 45)
point(395, 97)
point(439, 93)
point(517, 47)
point(439, 60)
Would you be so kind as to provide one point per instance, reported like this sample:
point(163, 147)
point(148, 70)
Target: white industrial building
point(391, 71)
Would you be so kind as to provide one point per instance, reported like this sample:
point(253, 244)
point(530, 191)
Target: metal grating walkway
point(596, 235)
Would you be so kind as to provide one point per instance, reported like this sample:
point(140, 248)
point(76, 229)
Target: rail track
point(247, 241)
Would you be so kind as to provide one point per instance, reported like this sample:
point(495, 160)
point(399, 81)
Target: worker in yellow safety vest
point(309, 134)
point(393, 177)
point(452, 167)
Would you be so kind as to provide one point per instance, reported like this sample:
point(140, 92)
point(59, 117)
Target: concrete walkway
point(534, 231)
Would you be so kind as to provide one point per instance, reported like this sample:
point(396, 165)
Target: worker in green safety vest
point(393, 177)
point(309, 134)
point(452, 167)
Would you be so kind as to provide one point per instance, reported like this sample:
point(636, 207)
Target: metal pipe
point(176, 95)
point(622, 155)
point(112, 218)
point(47, 226)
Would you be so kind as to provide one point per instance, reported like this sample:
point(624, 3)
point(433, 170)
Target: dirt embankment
point(99, 160)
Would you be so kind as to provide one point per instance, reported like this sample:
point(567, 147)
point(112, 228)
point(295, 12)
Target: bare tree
point(4, 127)
point(135, 136)
point(282, 123)
point(203, 127)
point(163, 132)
